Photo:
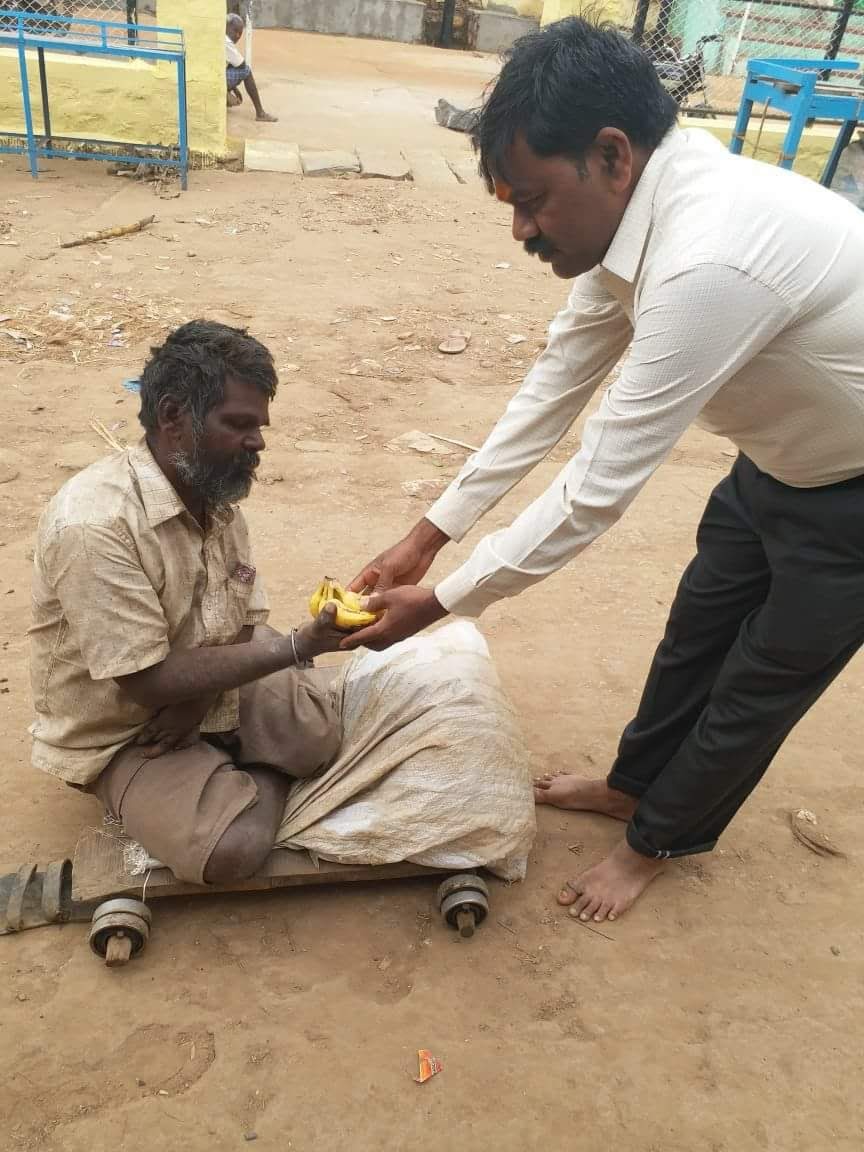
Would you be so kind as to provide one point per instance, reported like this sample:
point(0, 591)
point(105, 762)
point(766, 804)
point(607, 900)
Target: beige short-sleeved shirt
point(122, 576)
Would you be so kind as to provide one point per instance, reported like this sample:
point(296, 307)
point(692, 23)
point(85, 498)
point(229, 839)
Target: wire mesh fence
point(122, 11)
point(701, 47)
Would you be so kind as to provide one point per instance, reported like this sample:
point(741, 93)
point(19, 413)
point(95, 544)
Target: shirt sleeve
point(110, 605)
point(586, 340)
point(693, 332)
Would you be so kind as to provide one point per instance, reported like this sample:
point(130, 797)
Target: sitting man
point(151, 690)
point(238, 72)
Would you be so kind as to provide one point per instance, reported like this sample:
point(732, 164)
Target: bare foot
point(611, 887)
point(563, 790)
point(266, 118)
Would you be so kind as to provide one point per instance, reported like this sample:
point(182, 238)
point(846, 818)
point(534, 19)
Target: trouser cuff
point(639, 844)
point(628, 784)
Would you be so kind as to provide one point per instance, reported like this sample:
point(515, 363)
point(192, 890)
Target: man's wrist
point(428, 535)
point(435, 610)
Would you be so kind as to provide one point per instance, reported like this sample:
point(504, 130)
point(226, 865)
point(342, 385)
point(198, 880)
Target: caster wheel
point(463, 902)
point(120, 930)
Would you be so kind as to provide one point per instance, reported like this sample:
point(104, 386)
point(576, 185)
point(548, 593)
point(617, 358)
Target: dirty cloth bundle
point(432, 768)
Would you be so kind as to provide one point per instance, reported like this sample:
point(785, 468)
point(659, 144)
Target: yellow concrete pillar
point(530, 8)
point(203, 24)
point(606, 10)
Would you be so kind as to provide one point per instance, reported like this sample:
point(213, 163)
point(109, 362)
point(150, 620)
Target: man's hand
point(405, 611)
point(174, 727)
point(320, 636)
point(405, 563)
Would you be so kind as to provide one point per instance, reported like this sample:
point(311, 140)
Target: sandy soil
point(724, 1013)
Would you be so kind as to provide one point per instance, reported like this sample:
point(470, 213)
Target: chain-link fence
point(122, 11)
point(701, 47)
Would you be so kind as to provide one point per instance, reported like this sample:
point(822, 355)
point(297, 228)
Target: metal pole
point(661, 29)
point(248, 37)
point(839, 30)
point(43, 85)
point(181, 126)
point(28, 111)
point(445, 39)
point(639, 20)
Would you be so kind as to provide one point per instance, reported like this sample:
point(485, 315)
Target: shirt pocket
point(238, 592)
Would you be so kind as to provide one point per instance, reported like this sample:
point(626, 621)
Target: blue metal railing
point(69, 35)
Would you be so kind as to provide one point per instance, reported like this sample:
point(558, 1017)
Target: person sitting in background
point(238, 72)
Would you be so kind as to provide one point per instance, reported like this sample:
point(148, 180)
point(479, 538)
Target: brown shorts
point(179, 805)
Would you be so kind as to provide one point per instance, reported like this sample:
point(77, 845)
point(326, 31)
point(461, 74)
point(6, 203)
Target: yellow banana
point(349, 614)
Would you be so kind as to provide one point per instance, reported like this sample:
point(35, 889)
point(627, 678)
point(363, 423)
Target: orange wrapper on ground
point(429, 1066)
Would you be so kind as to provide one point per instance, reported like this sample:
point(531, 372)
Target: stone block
point(272, 156)
point(430, 168)
point(384, 165)
point(329, 163)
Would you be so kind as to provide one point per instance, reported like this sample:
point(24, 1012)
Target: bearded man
point(157, 685)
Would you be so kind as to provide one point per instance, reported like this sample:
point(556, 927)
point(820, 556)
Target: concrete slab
point(492, 31)
point(329, 163)
point(430, 168)
point(272, 156)
point(383, 165)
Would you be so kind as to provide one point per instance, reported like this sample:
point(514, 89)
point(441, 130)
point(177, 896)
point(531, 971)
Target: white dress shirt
point(739, 288)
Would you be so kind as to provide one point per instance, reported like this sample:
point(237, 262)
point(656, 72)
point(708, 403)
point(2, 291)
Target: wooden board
point(100, 870)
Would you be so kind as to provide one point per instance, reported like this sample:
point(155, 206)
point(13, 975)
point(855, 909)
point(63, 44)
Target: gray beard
point(216, 487)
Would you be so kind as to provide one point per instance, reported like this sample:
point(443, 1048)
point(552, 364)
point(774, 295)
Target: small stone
point(250, 1136)
point(835, 951)
point(22, 997)
point(191, 254)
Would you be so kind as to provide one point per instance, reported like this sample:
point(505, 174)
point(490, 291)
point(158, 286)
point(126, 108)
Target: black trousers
point(766, 615)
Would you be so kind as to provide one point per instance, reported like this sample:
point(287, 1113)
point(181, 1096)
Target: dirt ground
point(722, 1014)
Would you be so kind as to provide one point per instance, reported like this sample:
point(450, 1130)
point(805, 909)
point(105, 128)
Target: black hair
point(559, 86)
point(193, 365)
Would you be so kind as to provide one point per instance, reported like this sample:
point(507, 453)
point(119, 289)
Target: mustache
point(538, 246)
point(246, 462)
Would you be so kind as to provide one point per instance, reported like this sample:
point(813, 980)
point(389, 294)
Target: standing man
point(739, 289)
point(238, 72)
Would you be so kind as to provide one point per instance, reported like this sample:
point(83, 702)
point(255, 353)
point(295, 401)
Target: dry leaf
point(805, 829)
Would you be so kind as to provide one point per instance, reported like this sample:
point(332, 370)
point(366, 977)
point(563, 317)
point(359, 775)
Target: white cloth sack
point(432, 767)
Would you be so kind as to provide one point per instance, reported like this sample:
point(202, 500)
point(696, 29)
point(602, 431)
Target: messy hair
point(193, 365)
point(559, 86)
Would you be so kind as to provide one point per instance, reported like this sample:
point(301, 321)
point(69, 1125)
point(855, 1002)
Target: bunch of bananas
point(349, 614)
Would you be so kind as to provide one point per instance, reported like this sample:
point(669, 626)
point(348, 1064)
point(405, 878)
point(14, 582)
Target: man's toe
point(589, 906)
point(569, 893)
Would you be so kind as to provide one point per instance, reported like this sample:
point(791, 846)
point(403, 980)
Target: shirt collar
point(628, 244)
point(160, 500)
